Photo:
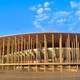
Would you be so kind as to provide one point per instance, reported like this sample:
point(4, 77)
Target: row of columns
point(15, 50)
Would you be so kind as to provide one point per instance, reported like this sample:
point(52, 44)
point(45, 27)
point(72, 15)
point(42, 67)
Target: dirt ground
point(20, 75)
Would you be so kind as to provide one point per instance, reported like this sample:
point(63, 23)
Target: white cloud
point(74, 4)
point(39, 5)
point(71, 29)
point(40, 11)
point(38, 25)
point(38, 21)
point(33, 8)
point(41, 17)
point(59, 17)
point(47, 9)
point(76, 9)
point(46, 4)
point(45, 18)
point(78, 13)
point(61, 13)
point(60, 21)
point(42, 8)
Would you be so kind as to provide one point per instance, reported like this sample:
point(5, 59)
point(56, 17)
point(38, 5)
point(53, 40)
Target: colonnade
point(40, 52)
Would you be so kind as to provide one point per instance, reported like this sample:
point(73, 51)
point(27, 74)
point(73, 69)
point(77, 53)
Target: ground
point(20, 75)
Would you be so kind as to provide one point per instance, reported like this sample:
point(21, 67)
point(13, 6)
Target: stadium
point(40, 52)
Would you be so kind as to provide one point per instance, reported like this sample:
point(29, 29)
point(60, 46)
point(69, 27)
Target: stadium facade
point(35, 52)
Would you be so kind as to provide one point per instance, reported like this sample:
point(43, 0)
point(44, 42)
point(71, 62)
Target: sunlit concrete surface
point(19, 75)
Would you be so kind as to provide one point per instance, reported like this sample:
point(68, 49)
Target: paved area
point(19, 75)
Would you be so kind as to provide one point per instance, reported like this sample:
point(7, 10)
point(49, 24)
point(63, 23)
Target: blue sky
point(25, 16)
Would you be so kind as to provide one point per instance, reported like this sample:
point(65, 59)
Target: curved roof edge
point(38, 33)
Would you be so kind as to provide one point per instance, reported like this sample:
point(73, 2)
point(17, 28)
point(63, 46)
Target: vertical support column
point(40, 59)
point(31, 50)
point(12, 50)
point(24, 50)
point(53, 52)
point(18, 49)
point(60, 50)
point(68, 48)
point(21, 49)
point(77, 54)
point(15, 50)
point(0, 57)
point(8, 48)
point(0, 54)
point(29, 53)
point(45, 52)
point(3, 53)
point(27, 57)
point(8, 51)
point(37, 52)
point(15, 44)
point(33, 46)
point(72, 51)
point(78, 51)
point(65, 52)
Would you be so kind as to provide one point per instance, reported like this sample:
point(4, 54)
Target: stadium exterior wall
point(48, 51)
